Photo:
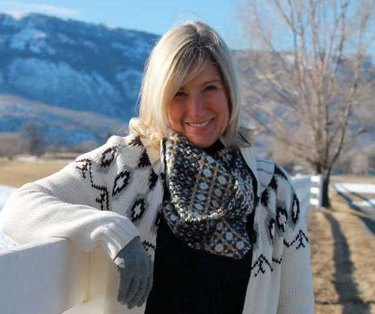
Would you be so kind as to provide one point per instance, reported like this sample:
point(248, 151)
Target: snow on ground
point(356, 188)
point(5, 192)
point(6, 243)
point(369, 203)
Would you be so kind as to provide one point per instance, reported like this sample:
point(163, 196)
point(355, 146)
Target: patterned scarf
point(211, 197)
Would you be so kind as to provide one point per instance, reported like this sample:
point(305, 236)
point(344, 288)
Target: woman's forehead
point(208, 72)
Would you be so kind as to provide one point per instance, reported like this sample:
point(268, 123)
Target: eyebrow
point(218, 80)
point(212, 81)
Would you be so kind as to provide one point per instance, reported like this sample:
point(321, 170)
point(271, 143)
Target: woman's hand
point(136, 274)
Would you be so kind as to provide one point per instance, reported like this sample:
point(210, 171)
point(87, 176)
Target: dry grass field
point(343, 249)
point(18, 172)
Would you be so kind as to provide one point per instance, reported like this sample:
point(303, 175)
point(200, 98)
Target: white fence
point(43, 278)
point(55, 277)
point(309, 192)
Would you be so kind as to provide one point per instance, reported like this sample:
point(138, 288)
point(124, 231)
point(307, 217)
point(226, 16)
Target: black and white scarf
point(211, 197)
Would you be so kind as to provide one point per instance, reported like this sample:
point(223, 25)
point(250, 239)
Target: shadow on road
point(370, 223)
point(344, 281)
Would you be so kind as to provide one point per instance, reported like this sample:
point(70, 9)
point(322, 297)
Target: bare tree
point(307, 64)
point(33, 138)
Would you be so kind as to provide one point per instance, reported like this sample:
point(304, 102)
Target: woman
point(180, 205)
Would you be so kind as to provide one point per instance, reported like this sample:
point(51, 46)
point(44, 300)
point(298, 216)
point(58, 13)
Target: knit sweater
point(114, 193)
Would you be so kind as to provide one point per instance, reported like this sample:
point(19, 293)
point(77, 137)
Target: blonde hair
point(178, 57)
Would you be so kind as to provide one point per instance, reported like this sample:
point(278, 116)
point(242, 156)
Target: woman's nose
point(196, 105)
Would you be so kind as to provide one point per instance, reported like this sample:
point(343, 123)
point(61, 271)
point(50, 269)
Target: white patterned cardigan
point(110, 195)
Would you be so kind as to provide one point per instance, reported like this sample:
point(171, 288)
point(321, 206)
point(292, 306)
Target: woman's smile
point(199, 125)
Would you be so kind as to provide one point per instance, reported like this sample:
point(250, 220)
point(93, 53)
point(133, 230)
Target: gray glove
point(136, 272)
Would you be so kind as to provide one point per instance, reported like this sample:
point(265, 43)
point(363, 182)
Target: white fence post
point(316, 191)
point(309, 192)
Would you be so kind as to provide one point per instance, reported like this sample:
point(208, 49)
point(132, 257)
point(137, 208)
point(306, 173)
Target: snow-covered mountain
point(66, 75)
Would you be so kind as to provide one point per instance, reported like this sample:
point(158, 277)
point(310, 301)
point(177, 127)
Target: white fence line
point(309, 192)
point(55, 277)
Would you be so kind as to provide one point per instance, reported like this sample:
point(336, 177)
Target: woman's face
point(200, 109)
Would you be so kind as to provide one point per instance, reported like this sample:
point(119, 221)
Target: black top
point(189, 281)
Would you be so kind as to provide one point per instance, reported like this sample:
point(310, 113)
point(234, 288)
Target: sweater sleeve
point(296, 287)
point(64, 205)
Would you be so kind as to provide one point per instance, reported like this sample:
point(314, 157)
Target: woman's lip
point(198, 125)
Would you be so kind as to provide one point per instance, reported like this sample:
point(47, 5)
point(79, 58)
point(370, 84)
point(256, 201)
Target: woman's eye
point(180, 94)
point(210, 87)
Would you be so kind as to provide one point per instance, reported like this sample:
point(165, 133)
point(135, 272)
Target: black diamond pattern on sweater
point(295, 209)
point(108, 156)
point(137, 210)
point(121, 182)
point(144, 161)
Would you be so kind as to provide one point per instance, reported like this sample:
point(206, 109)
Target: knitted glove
point(136, 271)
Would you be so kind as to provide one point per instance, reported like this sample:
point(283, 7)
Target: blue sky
point(155, 16)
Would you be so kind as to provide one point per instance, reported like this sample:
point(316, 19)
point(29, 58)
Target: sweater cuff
point(114, 236)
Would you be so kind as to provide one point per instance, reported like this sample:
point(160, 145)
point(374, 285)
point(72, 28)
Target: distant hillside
point(70, 65)
point(59, 125)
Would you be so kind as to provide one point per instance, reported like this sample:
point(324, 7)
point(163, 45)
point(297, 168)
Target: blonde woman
point(192, 220)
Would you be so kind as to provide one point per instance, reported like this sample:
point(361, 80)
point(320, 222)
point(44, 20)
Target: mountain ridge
point(72, 65)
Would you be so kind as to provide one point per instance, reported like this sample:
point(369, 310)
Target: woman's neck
point(214, 148)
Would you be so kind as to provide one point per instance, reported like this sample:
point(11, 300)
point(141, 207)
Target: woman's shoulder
point(272, 176)
point(114, 146)
point(120, 151)
point(277, 192)
point(267, 169)
point(267, 172)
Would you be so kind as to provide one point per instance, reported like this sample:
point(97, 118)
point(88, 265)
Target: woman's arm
point(65, 205)
point(296, 292)
point(296, 286)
